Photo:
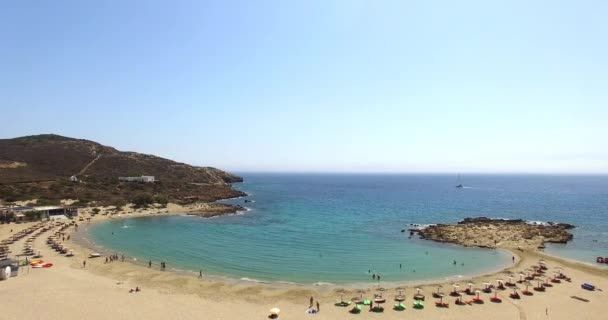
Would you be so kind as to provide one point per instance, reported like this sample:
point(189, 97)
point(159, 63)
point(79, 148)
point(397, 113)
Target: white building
point(146, 179)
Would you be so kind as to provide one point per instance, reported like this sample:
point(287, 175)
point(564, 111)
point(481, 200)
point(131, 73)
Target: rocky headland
point(491, 233)
point(46, 169)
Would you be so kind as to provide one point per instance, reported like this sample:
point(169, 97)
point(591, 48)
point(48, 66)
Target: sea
point(346, 228)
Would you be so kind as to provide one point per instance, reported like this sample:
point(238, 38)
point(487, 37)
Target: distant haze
point(340, 86)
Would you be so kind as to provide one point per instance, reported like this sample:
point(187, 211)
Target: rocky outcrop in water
point(492, 233)
point(209, 210)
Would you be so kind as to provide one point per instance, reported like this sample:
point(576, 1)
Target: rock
point(488, 233)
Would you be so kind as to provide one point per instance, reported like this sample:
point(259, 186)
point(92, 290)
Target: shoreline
point(104, 288)
point(521, 258)
point(91, 247)
point(235, 279)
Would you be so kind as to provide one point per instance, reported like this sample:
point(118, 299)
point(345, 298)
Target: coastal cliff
point(50, 168)
point(492, 233)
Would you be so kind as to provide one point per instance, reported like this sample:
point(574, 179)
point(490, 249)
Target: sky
point(318, 85)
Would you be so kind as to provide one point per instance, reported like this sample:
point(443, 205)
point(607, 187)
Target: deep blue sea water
point(335, 228)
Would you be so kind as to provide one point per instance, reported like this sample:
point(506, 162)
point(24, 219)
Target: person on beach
point(311, 301)
point(513, 259)
point(374, 276)
point(200, 274)
point(400, 266)
point(84, 263)
point(150, 264)
point(378, 278)
point(318, 307)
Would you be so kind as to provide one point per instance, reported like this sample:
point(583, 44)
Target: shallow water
point(339, 228)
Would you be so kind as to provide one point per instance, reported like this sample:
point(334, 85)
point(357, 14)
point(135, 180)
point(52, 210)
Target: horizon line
point(423, 173)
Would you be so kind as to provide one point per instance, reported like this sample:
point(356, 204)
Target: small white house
point(146, 179)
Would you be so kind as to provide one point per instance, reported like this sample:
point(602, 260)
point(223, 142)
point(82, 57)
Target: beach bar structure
point(46, 212)
point(56, 211)
point(143, 179)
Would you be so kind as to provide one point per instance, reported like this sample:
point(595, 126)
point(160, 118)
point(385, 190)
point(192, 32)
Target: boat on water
point(459, 185)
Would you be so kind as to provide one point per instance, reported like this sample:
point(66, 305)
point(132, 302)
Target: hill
point(40, 167)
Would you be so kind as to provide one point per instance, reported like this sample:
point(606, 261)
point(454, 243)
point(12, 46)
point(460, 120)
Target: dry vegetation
point(39, 167)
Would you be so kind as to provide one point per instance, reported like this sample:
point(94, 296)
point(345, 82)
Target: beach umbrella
point(380, 290)
point(275, 311)
point(439, 288)
point(477, 292)
point(361, 292)
point(487, 284)
point(459, 299)
point(441, 299)
point(341, 291)
point(418, 290)
point(455, 288)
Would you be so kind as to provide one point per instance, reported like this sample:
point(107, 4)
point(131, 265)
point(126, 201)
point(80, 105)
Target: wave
point(420, 226)
point(536, 222)
point(253, 280)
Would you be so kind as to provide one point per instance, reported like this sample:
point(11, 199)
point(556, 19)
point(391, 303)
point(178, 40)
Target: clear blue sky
point(409, 86)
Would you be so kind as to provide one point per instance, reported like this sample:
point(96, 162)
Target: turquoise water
point(335, 228)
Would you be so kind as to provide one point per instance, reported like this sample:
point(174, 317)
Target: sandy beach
point(101, 291)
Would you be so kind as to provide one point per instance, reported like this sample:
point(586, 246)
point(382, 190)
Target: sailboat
point(459, 185)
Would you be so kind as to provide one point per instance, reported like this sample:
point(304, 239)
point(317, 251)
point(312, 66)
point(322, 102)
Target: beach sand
point(101, 291)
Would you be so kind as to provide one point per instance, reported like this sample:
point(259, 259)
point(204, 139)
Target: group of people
point(310, 307)
point(377, 276)
point(114, 257)
point(163, 265)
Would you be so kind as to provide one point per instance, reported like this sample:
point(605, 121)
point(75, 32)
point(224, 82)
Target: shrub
point(142, 200)
point(162, 200)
